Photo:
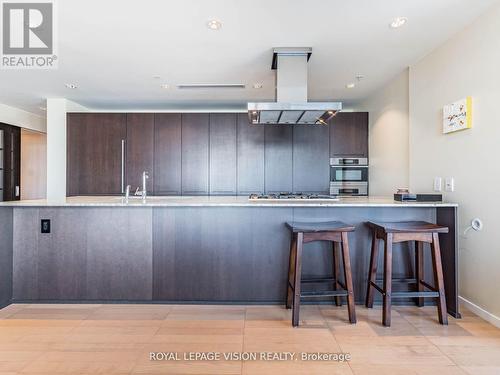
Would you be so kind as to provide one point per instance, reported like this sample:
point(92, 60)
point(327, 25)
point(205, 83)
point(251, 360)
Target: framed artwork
point(457, 116)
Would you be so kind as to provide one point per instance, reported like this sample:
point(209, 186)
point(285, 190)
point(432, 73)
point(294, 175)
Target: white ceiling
point(112, 49)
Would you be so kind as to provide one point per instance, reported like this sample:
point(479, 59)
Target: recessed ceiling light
point(350, 86)
point(71, 86)
point(257, 85)
point(214, 24)
point(398, 22)
point(164, 86)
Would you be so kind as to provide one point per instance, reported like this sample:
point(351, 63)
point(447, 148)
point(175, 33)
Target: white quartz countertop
point(229, 201)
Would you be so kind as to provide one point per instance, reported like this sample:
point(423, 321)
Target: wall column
point(56, 150)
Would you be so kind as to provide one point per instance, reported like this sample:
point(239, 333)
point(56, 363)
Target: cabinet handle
point(123, 165)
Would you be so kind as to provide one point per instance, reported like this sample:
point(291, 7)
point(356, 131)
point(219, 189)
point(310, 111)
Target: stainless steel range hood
point(291, 106)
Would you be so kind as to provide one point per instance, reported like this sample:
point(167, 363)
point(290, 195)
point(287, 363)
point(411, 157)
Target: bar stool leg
point(419, 270)
point(291, 271)
point(386, 314)
point(373, 271)
point(336, 284)
point(348, 278)
point(438, 278)
point(297, 279)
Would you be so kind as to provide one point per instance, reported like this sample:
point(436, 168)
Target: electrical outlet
point(449, 184)
point(45, 226)
point(438, 184)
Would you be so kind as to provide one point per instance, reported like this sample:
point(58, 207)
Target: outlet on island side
point(45, 226)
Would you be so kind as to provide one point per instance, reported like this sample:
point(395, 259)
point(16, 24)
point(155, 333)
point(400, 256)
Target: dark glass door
point(10, 163)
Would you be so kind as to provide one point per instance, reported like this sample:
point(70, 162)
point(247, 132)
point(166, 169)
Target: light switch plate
point(438, 184)
point(449, 184)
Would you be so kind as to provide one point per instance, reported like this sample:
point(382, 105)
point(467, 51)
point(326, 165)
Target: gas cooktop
point(297, 196)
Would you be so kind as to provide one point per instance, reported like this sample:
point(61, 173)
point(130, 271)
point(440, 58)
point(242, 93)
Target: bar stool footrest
point(314, 280)
point(415, 294)
point(325, 293)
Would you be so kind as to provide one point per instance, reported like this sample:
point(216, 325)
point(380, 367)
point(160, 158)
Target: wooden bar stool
point(421, 232)
point(336, 232)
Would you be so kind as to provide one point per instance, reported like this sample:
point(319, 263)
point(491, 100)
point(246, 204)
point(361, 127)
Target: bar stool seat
point(305, 227)
point(394, 232)
point(304, 232)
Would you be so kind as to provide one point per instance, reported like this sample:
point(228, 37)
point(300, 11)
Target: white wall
point(56, 149)
point(33, 165)
point(468, 64)
point(388, 117)
point(17, 117)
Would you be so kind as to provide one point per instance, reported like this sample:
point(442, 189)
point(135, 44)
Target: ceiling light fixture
point(214, 24)
point(71, 85)
point(350, 86)
point(398, 22)
point(257, 85)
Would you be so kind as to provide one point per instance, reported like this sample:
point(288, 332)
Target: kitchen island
point(214, 249)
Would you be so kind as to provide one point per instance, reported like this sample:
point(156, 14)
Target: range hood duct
point(292, 106)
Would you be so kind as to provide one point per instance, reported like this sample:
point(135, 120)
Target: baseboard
point(479, 311)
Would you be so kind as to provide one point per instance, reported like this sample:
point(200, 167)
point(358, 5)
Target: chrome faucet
point(127, 192)
point(143, 193)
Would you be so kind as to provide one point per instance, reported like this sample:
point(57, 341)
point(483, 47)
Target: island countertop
point(219, 201)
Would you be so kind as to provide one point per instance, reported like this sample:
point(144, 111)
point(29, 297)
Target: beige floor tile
point(473, 355)
point(207, 313)
point(361, 328)
point(219, 368)
point(465, 341)
point(212, 323)
point(107, 338)
point(382, 340)
point(396, 354)
point(482, 370)
point(293, 340)
point(421, 369)
point(75, 367)
point(302, 368)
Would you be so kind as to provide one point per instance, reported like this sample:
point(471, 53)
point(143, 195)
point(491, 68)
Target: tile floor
point(118, 339)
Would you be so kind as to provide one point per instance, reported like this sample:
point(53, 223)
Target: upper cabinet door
point(167, 154)
point(311, 167)
point(250, 156)
point(223, 153)
point(195, 141)
point(349, 135)
point(96, 153)
point(140, 150)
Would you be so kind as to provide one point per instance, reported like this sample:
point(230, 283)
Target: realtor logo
point(28, 35)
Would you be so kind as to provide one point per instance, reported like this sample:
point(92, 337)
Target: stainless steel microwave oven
point(349, 176)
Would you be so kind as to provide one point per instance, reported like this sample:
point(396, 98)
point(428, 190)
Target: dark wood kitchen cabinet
point(311, 167)
point(223, 153)
point(349, 135)
point(250, 147)
point(195, 153)
point(167, 154)
point(278, 158)
point(96, 153)
point(140, 150)
point(10, 163)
